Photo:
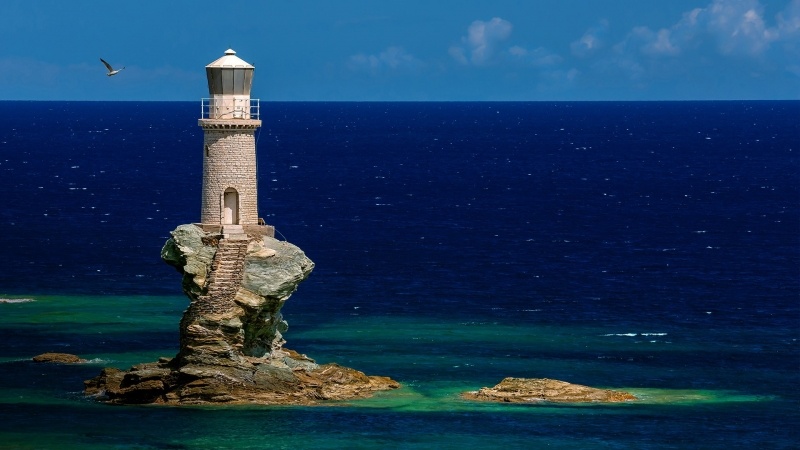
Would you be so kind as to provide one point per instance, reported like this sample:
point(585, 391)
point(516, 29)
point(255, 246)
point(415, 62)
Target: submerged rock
point(537, 390)
point(231, 335)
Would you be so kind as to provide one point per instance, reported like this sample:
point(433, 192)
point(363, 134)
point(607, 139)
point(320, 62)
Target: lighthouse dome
point(229, 76)
point(231, 60)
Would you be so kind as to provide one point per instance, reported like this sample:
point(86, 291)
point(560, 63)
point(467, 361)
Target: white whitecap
point(16, 300)
point(99, 361)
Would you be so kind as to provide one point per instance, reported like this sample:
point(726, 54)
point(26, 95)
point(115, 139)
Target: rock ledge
point(265, 382)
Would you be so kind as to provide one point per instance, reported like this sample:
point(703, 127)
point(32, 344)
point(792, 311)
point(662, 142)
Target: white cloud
point(482, 41)
point(704, 38)
point(391, 59)
point(572, 74)
point(518, 51)
point(459, 54)
point(661, 42)
point(733, 27)
point(720, 36)
point(483, 45)
point(739, 26)
point(591, 41)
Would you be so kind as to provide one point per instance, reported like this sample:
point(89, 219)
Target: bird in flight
point(111, 70)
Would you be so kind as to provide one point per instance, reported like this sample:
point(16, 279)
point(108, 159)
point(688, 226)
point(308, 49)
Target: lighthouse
point(229, 119)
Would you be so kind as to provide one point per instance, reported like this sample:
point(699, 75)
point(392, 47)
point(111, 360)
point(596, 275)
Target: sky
point(405, 50)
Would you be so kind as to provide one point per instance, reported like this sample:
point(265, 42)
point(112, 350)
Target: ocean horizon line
point(420, 101)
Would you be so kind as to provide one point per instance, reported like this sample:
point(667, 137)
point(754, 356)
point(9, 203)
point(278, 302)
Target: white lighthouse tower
point(229, 120)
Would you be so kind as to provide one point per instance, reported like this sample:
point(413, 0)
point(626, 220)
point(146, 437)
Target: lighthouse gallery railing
point(233, 108)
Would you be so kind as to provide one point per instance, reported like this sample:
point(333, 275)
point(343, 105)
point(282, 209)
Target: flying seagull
point(111, 70)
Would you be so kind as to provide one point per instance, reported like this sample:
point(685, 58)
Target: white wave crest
point(635, 334)
point(16, 300)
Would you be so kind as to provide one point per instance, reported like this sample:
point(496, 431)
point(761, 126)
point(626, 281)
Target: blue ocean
point(650, 247)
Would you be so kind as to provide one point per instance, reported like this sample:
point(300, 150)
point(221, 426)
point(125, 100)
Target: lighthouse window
point(207, 153)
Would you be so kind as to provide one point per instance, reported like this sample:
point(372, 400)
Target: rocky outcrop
point(296, 380)
point(59, 358)
point(538, 390)
point(231, 335)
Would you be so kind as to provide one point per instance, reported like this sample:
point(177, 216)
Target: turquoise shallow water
point(41, 405)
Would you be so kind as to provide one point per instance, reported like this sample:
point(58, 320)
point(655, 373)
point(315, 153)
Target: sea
point(649, 247)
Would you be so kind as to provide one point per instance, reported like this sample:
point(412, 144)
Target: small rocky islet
point(58, 358)
point(539, 390)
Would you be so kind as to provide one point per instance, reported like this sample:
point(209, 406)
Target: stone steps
point(227, 270)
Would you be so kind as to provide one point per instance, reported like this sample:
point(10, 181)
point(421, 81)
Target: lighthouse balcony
point(230, 108)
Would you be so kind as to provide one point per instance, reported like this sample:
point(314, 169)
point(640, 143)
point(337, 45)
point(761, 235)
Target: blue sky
point(362, 50)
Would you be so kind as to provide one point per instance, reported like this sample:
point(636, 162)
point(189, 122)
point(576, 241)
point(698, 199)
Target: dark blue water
point(641, 245)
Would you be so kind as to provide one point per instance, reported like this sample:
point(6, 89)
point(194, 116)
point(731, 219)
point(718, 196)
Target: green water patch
point(418, 349)
point(53, 440)
point(434, 360)
point(41, 396)
point(88, 326)
point(437, 397)
point(99, 313)
point(693, 397)
point(415, 331)
point(124, 360)
point(444, 397)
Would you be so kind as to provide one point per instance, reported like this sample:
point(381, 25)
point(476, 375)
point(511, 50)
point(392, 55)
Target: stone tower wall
point(229, 161)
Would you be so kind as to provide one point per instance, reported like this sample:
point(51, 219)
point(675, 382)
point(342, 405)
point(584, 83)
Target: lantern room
point(229, 81)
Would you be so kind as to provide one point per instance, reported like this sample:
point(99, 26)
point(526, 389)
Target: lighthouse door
point(230, 207)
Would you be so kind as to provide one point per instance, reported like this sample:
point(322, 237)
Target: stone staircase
point(227, 269)
point(233, 232)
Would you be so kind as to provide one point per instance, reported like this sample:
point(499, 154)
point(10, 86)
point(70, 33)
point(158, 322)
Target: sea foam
point(16, 300)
